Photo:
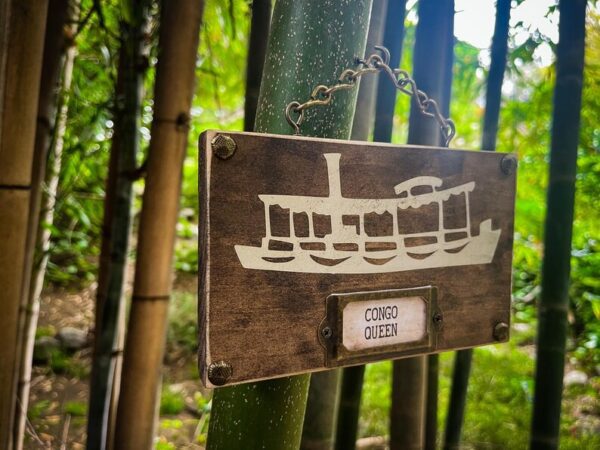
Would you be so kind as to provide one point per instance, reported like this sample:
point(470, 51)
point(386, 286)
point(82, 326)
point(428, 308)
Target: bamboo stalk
point(259, 35)
point(362, 126)
point(315, 53)
point(322, 406)
point(117, 221)
point(144, 347)
point(352, 377)
point(59, 54)
point(431, 412)
point(431, 409)
point(409, 386)
point(393, 37)
point(22, 27)
point(408, 404)
point(322, 427)
point(493, 97)
point(349, 410)
point(553, 306)
point(458, 399)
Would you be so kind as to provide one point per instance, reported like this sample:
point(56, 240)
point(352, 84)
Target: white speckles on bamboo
point(319, 42)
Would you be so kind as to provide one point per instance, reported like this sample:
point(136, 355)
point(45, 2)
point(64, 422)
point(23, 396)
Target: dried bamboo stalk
point(54, 92)
point(144, 347)
point(22, 26)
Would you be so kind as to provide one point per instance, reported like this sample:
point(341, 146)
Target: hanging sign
point(319, 253)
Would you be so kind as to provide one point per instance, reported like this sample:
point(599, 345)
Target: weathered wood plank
point(262, 300)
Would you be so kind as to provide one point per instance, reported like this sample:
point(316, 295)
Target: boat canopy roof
point(358, 206)
point(417, 181)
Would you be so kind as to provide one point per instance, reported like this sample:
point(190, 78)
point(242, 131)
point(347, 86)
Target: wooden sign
point(319, 253)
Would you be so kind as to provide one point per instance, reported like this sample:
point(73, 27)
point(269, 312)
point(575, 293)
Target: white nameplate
point(377, 323)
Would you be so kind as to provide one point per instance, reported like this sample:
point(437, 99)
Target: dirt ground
point(59, 390)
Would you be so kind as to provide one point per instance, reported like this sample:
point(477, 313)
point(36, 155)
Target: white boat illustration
point(348, 249)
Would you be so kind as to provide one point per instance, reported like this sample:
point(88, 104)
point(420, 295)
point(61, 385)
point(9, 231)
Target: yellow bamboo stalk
point(144, 346)
point(56, 45)
point(22, 26)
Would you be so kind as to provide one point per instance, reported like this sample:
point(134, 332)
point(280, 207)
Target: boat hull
point(479, 250)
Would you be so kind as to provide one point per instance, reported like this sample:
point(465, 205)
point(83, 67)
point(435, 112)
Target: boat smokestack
point(333, 172)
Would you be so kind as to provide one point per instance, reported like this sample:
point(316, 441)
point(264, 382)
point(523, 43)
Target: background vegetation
point(499, 416)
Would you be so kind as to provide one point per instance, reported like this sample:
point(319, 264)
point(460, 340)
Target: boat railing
point(329, 241)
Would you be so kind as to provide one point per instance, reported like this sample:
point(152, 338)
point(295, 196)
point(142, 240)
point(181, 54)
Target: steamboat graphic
point(347, 249)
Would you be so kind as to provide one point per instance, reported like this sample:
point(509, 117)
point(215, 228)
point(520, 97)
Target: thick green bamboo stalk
point(310, 43)
point(386, 92)
point(259, 34)
point(117, 217)
point(553, 306)
point(434, 29)
point(493, 97)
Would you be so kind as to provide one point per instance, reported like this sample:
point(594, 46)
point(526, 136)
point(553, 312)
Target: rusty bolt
point(326, 332)
point(501, 331)
point(219, 373)
point(223, 146)
point(508, 164)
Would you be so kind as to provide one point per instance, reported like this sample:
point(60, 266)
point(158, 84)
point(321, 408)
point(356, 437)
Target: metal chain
point(323, 95)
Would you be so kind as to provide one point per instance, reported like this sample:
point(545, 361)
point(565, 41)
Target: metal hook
point(295, 124)
point(386, 53)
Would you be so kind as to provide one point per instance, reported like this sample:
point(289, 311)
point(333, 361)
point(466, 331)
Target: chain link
point(322, 95)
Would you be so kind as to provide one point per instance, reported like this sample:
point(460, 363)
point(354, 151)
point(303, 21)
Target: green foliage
point(78, 212)
point(171, 401)
point(38, 409)
point(162, 445)
point(525, 128)
point(183, 321)
point(77, 409)
point(202, 403)
point(376, 400)
point(43, 331)
point(499, 400)
point(175, 424)
point(65, 364)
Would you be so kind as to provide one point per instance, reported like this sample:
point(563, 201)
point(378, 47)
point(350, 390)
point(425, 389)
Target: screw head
point(223, 146)
point(501, 331)
point(508, 164)
point(438, 318)
point(219, 373)
point(326, 332)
